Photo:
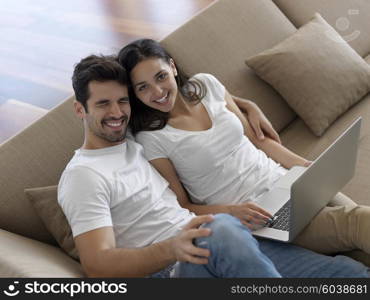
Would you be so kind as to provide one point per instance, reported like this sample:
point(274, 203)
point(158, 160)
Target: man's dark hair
point(95, 68)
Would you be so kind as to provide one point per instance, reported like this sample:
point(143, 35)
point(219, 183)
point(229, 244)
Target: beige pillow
point(44, 200)
point(317, 73)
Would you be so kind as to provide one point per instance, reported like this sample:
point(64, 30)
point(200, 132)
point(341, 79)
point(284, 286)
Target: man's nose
point(115, 110)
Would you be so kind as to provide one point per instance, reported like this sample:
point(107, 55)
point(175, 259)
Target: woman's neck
point(181, 108)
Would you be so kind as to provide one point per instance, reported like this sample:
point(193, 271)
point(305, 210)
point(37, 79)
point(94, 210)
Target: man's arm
point(101, 258)
point(257, 120)
point(84, 197)
point(271, 147)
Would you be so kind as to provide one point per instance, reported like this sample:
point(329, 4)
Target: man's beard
point(111, 137)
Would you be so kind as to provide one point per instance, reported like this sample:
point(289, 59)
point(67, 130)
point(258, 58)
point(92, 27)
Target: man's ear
point(79, 109)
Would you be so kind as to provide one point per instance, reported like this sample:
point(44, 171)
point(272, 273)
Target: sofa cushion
point(317, 73)
point(44, 200)
point(36, 157)
point(349, 18)
point(367, 59)
point(25, 258)
point(240, 29)
point(300, 139)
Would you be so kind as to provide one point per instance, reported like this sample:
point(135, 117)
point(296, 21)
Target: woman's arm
point(271, 147)
point(249, 213)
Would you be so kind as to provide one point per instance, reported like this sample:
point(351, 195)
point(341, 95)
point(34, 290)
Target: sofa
point(218, 40)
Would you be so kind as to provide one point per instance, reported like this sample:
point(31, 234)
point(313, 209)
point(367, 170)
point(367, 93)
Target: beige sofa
point(217, 41)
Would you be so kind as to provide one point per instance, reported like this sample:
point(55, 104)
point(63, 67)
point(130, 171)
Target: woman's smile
point(164, 100)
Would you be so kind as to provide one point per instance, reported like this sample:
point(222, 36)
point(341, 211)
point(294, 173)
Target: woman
point(197, 138)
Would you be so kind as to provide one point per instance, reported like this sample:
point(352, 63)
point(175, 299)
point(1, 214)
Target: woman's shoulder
point(204, 76)
point(145, 135)
point(166, 137)
point(157, 142)
point(215, 89)
point(152, 136)
point(208, 79)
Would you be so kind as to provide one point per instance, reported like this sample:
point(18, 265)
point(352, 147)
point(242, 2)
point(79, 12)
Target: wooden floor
point(41, 40)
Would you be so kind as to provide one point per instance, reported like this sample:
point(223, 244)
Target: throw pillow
point(317, 73)
point(44, 200)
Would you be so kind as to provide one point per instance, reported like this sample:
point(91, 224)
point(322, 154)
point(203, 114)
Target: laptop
point(300, 194)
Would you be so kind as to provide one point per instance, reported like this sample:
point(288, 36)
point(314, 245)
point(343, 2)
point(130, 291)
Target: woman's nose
point(157, 90)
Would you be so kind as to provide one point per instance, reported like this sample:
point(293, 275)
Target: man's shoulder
point(77, 164)
point(103, 165)
point(78, 170)
point(81, 169)
point(80, 174)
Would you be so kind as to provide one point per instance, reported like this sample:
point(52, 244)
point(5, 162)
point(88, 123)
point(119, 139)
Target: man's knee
point(228, 231)
point(225, 224)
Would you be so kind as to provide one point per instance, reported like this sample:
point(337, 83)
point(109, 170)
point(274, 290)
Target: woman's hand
point(307, 163)
point(250, 214)
point(260, 124)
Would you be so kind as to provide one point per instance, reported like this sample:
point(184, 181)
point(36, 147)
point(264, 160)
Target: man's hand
point(182, 244)
point(260, 124)
point(250, 214)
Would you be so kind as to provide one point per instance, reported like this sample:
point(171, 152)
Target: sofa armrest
point(25, 257)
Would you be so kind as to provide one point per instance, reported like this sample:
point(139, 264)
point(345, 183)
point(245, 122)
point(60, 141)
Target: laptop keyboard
point(281, 218)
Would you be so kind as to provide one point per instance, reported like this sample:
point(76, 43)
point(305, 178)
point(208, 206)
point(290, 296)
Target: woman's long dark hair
point(144, 117)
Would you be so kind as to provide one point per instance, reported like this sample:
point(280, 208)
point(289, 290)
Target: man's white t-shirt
point(116, 186)
point(219, 165)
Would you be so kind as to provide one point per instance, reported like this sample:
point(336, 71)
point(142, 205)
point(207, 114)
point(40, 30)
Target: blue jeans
point(236, 253)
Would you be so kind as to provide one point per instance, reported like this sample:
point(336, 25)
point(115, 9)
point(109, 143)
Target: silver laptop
point(300, 194)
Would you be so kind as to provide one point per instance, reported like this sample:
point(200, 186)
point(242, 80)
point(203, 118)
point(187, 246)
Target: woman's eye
point(162, 76)
point(141, 88)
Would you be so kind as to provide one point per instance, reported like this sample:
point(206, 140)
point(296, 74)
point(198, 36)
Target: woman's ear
point(173, 67)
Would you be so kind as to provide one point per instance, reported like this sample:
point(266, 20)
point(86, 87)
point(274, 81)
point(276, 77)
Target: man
point(125, 220)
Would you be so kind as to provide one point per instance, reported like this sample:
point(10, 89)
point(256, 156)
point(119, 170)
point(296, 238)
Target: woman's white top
point(219, 165)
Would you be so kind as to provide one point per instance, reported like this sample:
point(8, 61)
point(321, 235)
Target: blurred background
point(41, 41)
